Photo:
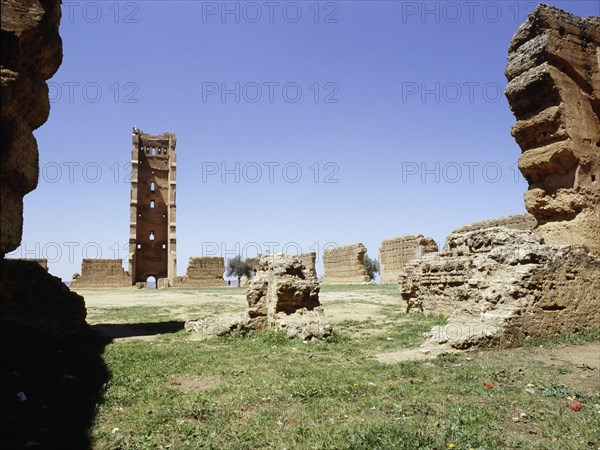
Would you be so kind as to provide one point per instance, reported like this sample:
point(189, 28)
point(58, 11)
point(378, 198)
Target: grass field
point(165, 389)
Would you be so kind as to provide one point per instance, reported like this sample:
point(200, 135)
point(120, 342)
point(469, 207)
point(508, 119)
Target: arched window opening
point(151, 235)
point(153, 187)
point(151, 203)
point(153, 151)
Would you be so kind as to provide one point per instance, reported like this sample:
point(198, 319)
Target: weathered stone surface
point(204, 271)
point(219, 326)
point(516, 222)
point(500, 286)
point(282, 284)
point(31, 53)
point(304, 324)
point(345, 265)
point(283, 296)
point(37, 305)
point(394, 253)
point(101, 273)
point(152, 221)
point(554, 92)
point(308, 260)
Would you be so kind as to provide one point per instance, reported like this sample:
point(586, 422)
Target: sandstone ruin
point(516, 222)
point(394, 253)
point(32, 302)
point(500, 286)
point(283, 296)
point(506, 280)
point(554, 92)
point(309, 260)
point(101, 273)
point(345, 265)
point(31, 54)
point(206, 271)
point(152, 237)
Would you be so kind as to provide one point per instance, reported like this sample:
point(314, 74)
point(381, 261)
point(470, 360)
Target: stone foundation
point(499, 287)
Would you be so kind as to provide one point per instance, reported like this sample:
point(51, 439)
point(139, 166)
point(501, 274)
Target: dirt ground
point(365, 305)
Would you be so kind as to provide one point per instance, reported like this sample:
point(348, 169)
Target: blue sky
point(299, 124)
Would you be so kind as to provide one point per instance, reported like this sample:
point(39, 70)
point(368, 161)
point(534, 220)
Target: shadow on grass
point(50, 387)
point(125, 330)
point(49, 390)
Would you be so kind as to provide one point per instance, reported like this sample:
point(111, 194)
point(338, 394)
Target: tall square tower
point(152, 239)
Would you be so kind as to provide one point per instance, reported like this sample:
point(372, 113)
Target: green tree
point(239, 267)
point(372, 266)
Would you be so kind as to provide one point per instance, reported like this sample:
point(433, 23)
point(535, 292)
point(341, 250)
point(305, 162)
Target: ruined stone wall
point(308, 260)
point(500, 286)
point(31, 54)
point(35, 306)
point(204, 271)
point(394, 253)
point(345, 265)
point(554, 92)
point(152, 229)
point(101, 273)
point(283, 296)
point(516, 222)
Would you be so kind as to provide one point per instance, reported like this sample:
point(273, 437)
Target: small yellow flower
point(436, 424)
point(451, 445)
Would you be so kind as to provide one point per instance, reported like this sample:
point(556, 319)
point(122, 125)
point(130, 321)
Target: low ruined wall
point(204, 271)
point(396, 252)
point(500, 286)
point(516, 222)
point(101, 273)
point(345, 265)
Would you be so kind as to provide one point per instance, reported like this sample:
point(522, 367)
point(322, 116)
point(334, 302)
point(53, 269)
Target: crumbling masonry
point(345, 265)
point(554, 92)
point(396, 252)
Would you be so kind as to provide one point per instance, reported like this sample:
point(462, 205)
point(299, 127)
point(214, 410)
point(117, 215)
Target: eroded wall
point(101, 273)
point(396, 252)
point(31, 54)
point(345, 265)
point(500, 286)
point(554, 92)
point(204, 271)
